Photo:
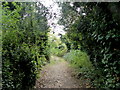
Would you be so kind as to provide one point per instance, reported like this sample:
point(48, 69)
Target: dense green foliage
point(91, 42)
point(24, 44)
point(79, 59)
point(57, 47)
point(80, 62)
point(97, 32)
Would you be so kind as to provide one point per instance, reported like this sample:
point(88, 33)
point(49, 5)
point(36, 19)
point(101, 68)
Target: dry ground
point(58, 74)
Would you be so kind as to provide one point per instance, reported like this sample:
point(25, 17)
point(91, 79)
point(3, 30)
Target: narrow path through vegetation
point(58, 74)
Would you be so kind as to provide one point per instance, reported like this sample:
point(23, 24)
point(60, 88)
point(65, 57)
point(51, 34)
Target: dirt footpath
point(58, 74)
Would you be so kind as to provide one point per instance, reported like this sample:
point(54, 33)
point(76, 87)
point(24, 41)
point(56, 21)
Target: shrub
point(23, 49)
point(78, 59)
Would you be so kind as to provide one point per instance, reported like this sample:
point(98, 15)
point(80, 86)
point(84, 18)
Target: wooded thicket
point(24, 39)
point(91, 42)
point(94, 28)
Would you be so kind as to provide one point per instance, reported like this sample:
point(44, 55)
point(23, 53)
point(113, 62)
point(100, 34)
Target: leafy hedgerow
point(96, 32)
point(24, 47)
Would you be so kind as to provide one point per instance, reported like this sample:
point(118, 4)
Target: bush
point(98, 34)
point(84, 68)
point(81, 62)
point(21, 62)
point(79, 59)
point(23, 49)
point(60, 50)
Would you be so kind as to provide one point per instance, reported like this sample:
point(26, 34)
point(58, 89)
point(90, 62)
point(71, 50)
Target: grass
point(80, 62)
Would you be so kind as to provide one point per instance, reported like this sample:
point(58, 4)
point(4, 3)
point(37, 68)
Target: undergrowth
point(83, 66)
